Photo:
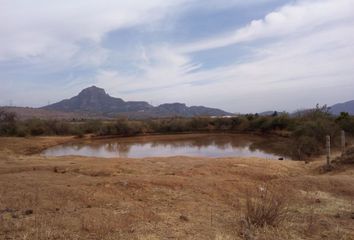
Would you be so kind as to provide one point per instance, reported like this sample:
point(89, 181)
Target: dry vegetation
point(30, 113)
point(168, 198)
point(304, 134)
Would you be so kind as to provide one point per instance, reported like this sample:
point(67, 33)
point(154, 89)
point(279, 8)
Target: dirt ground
point(164, 198)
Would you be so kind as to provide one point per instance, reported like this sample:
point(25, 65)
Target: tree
point(7, 123)
point(7, 116)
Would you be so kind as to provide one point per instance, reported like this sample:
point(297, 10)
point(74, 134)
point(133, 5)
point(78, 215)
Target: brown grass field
point(166, 198)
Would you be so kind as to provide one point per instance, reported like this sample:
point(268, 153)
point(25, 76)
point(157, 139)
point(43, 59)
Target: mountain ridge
point(348, 107)
point(96, 101)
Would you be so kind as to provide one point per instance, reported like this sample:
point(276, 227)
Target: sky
point(240, 56)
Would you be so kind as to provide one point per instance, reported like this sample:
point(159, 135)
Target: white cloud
point(158, 67)
point(222, 4)
point(308, 53)
point(302, 17)
point(290, 74)
point(56, 28)
point(311, 56)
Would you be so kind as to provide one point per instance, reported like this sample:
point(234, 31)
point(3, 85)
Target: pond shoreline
point(167, 145)
point(36, 145)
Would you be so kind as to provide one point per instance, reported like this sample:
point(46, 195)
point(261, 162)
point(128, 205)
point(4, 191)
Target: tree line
point(306, 131)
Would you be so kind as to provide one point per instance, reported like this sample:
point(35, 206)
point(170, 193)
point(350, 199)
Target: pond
point(194, 145)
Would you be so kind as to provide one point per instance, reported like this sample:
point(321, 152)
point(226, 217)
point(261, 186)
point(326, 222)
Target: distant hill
point(343, 107)
point(95, 101)
point(180, 109)
point(336, 109)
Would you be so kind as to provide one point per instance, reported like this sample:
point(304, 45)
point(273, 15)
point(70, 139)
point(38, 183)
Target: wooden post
point(343, 141)
point(211, 216)
point(328, 146)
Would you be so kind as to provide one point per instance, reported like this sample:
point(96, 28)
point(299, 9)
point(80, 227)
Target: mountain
point(96, 102)
point(180, 109)
point(343, 107)
point(336, 109)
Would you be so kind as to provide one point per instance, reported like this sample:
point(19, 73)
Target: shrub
point(309, 135)
point(172, 125)
point(345, 122)
point(260, 124)
point(36, 127)
point(8, 123)
point(265, 207)
point(21, 131)
point(281, 122)
point(305, 146)
point(56, 127)
point(199, 123)
point(244, 124)
point(122, 127)
point(107, 129)
point(177, 125)
point(91, 126)
point(222, 124)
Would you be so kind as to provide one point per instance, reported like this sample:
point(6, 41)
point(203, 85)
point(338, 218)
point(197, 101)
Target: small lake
point(195, 145)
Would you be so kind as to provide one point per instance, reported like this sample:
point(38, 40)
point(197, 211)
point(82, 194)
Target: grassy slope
point(88, 198)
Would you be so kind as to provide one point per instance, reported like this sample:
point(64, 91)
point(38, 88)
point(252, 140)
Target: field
point(166, 198)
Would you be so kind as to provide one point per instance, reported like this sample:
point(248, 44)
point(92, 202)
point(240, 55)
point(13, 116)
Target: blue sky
point(241, 56)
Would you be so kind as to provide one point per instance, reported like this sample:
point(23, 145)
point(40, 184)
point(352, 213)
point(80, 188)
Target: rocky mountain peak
point(93, 91)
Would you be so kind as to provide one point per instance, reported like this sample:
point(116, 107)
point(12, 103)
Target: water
point(196, 145)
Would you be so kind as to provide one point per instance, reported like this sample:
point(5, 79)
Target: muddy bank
point(31, 145)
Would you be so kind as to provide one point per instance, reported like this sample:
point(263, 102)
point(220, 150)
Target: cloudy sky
point(241, 56)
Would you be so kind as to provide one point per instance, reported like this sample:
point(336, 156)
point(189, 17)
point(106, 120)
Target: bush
point(122, 127)
point(22, 131)
point(345, 122)
point(36, 127)
point(91, 126)
point(265, 207)
point(173, 125)
point(8, 123)
point(281, 122)
point(199, 124)
point(243, 125)
point(262, 124)
point(222, 124)
point(305, 146)
point(107, 129)
point(55, 127)
point(309, 135)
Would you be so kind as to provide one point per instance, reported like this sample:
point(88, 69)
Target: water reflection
point(206, 145)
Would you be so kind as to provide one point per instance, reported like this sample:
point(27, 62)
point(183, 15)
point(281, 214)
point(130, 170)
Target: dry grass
point(266, 206)
point(167, 198)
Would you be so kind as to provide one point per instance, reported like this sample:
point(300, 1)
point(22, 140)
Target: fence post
point(343, 143)
point(328, 146)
